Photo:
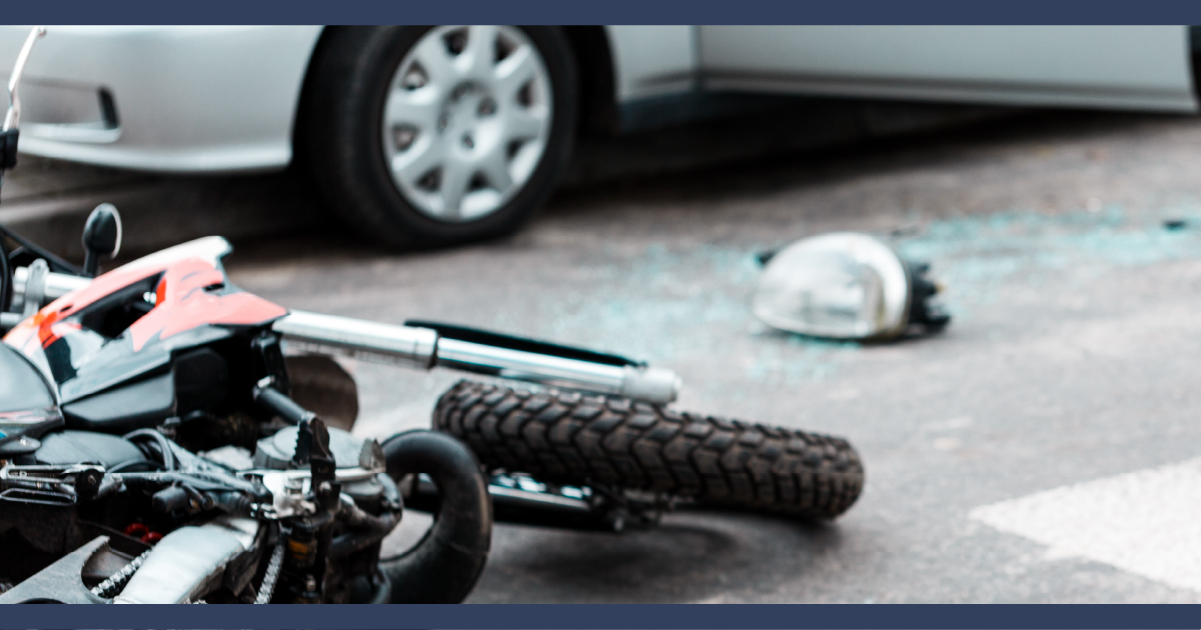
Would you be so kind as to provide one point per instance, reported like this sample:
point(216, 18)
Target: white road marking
point(1147, 522)
point(843, 394)
point(948, 425)
point(947, 443)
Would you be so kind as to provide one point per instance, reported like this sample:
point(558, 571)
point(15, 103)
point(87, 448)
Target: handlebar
point(55, 286)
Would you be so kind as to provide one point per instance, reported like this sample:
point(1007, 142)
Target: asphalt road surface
point(1045, 448)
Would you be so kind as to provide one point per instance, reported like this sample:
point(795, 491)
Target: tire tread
point(564, 437)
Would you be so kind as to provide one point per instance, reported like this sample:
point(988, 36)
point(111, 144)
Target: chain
point(113, 585)
point(267, 589)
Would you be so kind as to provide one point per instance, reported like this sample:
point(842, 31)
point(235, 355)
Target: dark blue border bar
point(602, 617)
point(606, 617)
point(606, 12)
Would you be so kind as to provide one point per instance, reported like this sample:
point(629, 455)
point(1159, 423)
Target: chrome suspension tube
point(643, 383)
point(423, 347)
point(358, 338)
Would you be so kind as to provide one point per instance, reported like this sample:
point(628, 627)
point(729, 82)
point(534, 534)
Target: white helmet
point(845, 286)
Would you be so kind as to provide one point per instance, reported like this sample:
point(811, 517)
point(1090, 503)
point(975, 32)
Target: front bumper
point(163, 98)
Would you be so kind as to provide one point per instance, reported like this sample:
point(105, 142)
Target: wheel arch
point(597, 81)
point(299, 155)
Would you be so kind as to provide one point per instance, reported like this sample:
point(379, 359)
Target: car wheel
point(428, 136)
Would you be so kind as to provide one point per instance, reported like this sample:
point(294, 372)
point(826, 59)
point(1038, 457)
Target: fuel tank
point(27, 405)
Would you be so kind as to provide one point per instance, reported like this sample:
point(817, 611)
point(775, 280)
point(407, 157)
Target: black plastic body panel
point(141, 404)
point(21, 384)
point(67, 448)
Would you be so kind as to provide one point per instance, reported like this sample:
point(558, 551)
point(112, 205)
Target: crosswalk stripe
point(1147, 522)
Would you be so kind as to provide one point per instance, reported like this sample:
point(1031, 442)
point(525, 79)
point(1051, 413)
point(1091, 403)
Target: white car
point(423, 136)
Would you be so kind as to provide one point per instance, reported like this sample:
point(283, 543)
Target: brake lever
point(57, 484)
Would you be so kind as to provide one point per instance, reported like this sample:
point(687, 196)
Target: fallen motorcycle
point(152, 449)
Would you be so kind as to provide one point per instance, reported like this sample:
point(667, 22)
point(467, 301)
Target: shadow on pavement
point(772, 170)
point(691, 557)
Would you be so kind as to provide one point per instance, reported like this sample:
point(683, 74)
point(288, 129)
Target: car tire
point(359, 145)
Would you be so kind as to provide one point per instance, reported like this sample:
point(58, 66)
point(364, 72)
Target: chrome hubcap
point(466, 120)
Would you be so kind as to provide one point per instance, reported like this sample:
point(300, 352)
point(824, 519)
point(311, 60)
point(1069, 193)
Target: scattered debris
point(846, 285)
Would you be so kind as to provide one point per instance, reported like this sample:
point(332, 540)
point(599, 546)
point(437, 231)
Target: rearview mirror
point(101, 237)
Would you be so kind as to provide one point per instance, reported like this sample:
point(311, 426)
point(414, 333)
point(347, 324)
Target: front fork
point(427, 345)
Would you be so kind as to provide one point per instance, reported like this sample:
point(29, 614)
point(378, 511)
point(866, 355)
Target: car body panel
point(187, 98)
point(206, 99)
point(1135, 67)
point(652, 61)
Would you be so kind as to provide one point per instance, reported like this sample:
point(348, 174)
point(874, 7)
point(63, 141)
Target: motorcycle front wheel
point(571, 438)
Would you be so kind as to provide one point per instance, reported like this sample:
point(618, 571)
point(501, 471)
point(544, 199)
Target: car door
point(1134, 67)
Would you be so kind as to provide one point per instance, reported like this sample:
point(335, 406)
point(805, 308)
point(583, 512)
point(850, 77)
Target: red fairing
point(181, 304)
point(42, 326)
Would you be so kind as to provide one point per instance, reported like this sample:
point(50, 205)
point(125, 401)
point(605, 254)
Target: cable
point(56, 263)
point(132, 463)
point(6, 279)
point(164, 445)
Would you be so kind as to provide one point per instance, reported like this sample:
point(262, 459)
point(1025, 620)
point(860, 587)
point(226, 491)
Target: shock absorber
point(301, 574)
